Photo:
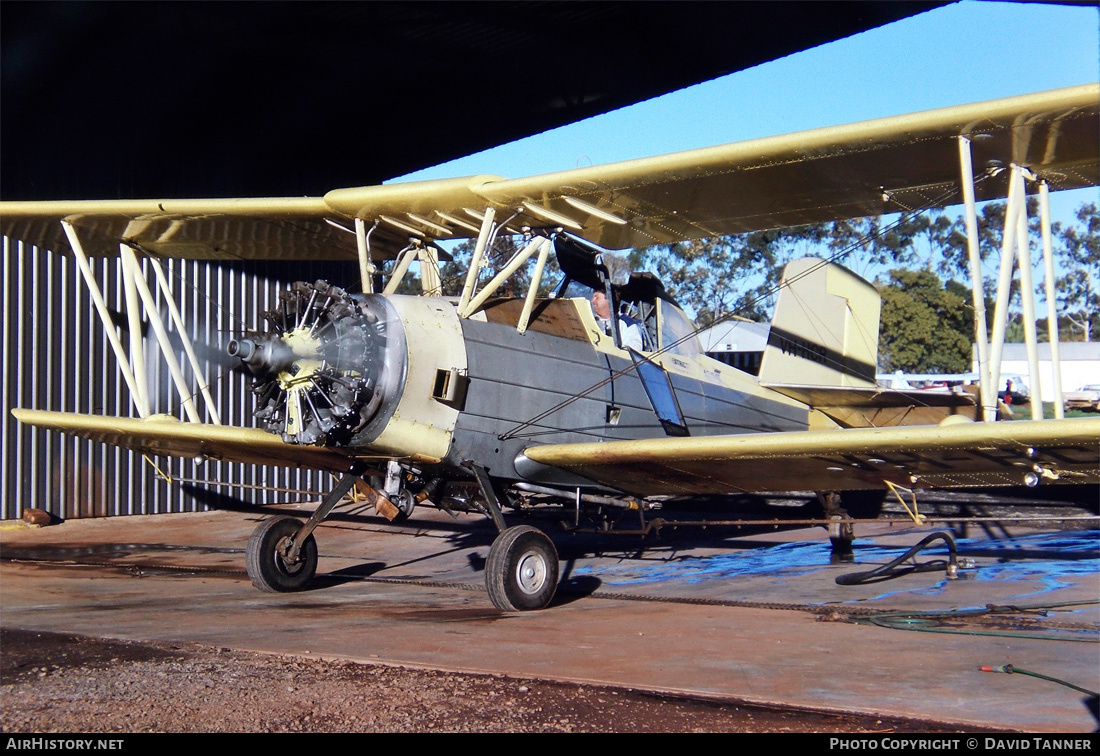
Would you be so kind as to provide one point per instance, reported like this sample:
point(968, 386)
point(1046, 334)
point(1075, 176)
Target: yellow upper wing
point(880, 166)
point(964, 455)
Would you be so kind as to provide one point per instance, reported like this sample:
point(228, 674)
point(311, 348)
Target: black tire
point(265, 563)
point(522, 571)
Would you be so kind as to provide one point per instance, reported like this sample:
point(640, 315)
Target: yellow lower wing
point(938, 456)
point(163, 436)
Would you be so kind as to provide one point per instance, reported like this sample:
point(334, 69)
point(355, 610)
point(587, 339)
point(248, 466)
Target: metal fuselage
point(562, 380)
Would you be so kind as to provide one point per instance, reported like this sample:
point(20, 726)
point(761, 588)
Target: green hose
point(1010, 670)
point(930, 622)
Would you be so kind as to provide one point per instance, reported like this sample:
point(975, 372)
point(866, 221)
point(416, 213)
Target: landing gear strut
point(281, 555)
point(841, 532)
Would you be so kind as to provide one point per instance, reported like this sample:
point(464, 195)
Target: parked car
point(1085, 398)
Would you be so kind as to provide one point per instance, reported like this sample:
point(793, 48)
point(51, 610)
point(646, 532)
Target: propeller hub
point(326, 367)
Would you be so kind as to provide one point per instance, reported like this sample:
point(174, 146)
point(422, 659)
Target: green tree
point(729, 275)
point(926, 325)
point(1078, 291)
point(739, 274)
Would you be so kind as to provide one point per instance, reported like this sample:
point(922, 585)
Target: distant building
point(1080, 365)
point(741, 343)
point(738, 343)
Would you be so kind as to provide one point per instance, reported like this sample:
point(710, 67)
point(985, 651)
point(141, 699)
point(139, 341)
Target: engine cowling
point(330, 365)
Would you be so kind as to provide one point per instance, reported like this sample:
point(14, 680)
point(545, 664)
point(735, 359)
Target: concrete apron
point(180, 578)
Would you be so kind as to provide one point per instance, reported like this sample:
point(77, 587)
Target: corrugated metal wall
point(56, 357)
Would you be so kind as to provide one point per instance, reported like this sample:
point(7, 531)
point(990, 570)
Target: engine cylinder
point(330, 364)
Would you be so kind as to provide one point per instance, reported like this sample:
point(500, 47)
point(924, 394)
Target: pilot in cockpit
point(630, 330)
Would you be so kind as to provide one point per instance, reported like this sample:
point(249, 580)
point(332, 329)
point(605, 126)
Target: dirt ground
point(73, 684)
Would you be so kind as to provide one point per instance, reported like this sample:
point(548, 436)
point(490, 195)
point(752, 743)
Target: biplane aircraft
point(480, 402)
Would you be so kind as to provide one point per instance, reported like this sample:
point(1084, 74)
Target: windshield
point(677, 332)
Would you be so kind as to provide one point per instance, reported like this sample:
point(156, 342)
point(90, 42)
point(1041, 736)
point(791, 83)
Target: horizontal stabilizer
point(853, 407)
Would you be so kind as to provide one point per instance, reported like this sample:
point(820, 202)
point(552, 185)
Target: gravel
point(52, 683)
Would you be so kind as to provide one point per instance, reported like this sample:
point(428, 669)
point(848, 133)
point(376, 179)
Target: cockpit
point(641, 302)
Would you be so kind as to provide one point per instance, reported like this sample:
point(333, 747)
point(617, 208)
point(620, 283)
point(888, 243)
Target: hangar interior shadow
point(224, 99)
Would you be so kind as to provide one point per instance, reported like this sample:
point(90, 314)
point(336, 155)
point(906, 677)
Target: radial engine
point(330, 367)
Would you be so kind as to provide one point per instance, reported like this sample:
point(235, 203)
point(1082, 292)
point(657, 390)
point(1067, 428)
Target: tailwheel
point(266, 556)
point(522, 571)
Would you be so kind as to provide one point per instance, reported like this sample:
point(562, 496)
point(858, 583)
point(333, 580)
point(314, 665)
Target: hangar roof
point(121, 99)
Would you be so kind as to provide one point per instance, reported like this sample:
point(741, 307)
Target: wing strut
point(1027, 294)
point(539, 244)
point(142, 287)
point(366, 266)
point(138, 293)
point(981, 331)
point(1052, 309)
point(469, 302)
point(137, 390)
point(533, 287)
point(1014, 242)
point(427, 255)
point(475, 261)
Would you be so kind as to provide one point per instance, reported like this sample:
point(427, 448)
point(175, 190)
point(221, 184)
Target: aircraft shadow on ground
point(346, 575)
point(679, 533)
point(623, 539)
point(572, 589)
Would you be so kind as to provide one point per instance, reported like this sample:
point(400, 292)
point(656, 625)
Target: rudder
point(824, 330)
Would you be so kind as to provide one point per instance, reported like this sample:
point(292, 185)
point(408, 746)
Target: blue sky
point(965, 52)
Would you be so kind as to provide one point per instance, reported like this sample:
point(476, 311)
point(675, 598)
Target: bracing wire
point(938, 201)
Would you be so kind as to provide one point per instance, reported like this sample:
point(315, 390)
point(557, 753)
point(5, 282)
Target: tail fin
point(825, 328)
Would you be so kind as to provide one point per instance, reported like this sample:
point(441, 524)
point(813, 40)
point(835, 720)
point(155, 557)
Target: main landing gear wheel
point(522, 571)
point(265, 557)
